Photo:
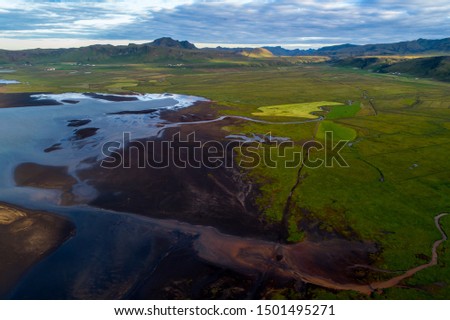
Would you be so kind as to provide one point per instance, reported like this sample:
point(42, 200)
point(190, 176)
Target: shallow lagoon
point(104, 240)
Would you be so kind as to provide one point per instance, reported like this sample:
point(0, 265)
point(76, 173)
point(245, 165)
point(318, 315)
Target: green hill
point(427, 67)
point(433, 67)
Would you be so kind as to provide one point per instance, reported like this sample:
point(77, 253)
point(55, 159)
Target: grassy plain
point(343, 111)
point(398, 177)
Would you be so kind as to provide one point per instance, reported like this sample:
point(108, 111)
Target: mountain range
point(375, 57)
point(420, 46)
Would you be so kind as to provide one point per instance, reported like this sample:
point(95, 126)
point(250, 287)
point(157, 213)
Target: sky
point(289, 23)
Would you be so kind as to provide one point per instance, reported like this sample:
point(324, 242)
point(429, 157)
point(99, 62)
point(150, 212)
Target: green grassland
point(343, 111)
point(298, 110)
point(340, 132)
point(399, 128)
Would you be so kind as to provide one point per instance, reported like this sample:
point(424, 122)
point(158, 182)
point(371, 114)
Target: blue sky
point(290, 23)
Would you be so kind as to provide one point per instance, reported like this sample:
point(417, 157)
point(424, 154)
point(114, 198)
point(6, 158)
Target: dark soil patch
point(78, 123)
point(84, 133)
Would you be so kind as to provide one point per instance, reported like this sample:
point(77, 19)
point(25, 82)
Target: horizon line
point(55, 43)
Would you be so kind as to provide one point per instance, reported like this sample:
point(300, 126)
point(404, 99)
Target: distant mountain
point(171, 43)
point(420, 46)
point(279, 51)
point(160, 50)
point(336, 48)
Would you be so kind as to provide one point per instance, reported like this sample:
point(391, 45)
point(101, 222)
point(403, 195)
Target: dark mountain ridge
point(420, 46)
point(159, 49)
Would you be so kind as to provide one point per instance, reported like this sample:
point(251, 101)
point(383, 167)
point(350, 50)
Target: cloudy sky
point(290, 23)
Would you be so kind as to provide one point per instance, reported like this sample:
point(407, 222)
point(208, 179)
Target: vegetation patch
point(297, 110)
point(340, 132)
point(346, 111)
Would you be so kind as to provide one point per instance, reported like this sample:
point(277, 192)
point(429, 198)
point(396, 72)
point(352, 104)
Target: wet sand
point(40, 176)
point(148, 111)
point(111, 97)
point(84, 133)
point(14, 100)
point(78, 123)
point(220, 197)
point(27, 237)
point(118, 255)
point(199, 111)
point(144, 258)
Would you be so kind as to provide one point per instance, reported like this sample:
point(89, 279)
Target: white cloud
point(108, 21)
point(289, 22)
point(55, 43)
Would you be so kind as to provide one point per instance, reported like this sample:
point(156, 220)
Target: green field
point(343, 111)
point(297, 110)
point(399, 128)
point(340, 132)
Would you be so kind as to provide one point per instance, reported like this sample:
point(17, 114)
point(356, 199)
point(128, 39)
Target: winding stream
point(409, 273)
point(221, 118)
